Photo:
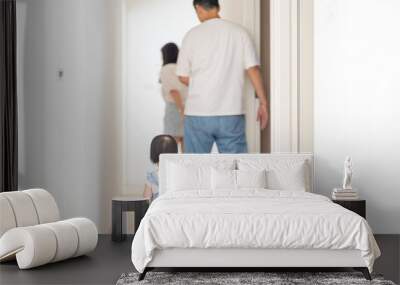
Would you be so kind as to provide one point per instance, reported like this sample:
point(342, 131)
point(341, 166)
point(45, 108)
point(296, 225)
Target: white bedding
point(251, 218)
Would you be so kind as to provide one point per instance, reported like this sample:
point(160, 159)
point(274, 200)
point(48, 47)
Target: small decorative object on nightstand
point(127, 204)
point(348, 174)
point(347, 192)
point(356, 206)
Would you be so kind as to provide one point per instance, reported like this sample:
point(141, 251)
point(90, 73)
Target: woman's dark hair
point(162, 144)
point(207, 4)
point(170, 53)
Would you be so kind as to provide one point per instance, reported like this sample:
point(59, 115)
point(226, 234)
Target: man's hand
point(254, 74)
point(263, 116)
point(184, 80)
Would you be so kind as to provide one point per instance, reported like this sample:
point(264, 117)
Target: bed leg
point(365, 272)
point(142, 275)
point(367, 276)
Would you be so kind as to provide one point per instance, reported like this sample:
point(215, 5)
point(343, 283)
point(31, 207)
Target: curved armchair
point(31, 231)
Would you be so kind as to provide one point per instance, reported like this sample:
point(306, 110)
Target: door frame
point(290, 66)
point(252, 22)
point(265, 55)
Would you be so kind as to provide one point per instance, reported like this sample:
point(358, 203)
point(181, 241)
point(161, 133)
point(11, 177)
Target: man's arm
point(254, 74)
point(178, 101)
point(185, 80)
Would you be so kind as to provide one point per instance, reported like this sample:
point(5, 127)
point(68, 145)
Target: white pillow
point(192, 174)
point(291, 179)
point(223, 179)
point(282, 174)
point(183, 177)
point(251, 178)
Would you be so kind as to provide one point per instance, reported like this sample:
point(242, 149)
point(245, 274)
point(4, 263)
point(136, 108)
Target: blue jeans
point(228, 132)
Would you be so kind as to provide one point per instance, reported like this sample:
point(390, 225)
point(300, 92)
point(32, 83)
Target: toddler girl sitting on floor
point(159, 145)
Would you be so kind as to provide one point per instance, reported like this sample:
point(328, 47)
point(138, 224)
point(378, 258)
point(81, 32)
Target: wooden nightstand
point(356, 206)
point(127, 204)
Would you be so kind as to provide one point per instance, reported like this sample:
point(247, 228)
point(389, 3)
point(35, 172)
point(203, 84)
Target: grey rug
point(182, 278)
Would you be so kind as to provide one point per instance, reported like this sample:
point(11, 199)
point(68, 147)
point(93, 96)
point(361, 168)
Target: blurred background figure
point(160, 144)
point(174, 93)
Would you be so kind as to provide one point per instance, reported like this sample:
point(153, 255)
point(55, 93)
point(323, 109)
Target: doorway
point(148, 25)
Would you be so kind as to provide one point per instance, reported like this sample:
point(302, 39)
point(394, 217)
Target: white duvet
point(250, 219)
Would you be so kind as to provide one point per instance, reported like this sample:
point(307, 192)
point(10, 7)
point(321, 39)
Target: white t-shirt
point(170, 81)
point(215, 55)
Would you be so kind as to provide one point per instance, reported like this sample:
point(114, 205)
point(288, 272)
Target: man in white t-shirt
point(213, 61)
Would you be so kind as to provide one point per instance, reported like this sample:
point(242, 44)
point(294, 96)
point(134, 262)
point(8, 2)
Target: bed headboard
point(213, 159)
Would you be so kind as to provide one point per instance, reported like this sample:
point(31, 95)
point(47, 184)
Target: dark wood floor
point(110, 260)
point(104, 266)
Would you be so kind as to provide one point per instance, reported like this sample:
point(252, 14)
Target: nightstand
point(127, 204)
point(356, 206)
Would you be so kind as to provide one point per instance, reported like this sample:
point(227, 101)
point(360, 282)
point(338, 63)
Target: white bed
point(206, 225)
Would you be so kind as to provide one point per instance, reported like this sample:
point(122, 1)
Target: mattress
point(250, 219)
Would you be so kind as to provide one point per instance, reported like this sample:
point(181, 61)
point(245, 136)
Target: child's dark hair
point(170, 53)
point(207, 4)
point(162, 144)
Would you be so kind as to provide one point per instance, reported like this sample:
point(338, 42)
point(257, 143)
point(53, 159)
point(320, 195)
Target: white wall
point(357, 101)
point(70, 126)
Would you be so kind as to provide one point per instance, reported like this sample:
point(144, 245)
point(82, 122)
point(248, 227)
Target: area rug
point(253, 278)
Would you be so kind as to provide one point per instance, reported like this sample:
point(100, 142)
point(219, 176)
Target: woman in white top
point(174, 93)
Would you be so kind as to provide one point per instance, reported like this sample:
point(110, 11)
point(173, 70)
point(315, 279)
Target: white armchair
point(31, 231)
